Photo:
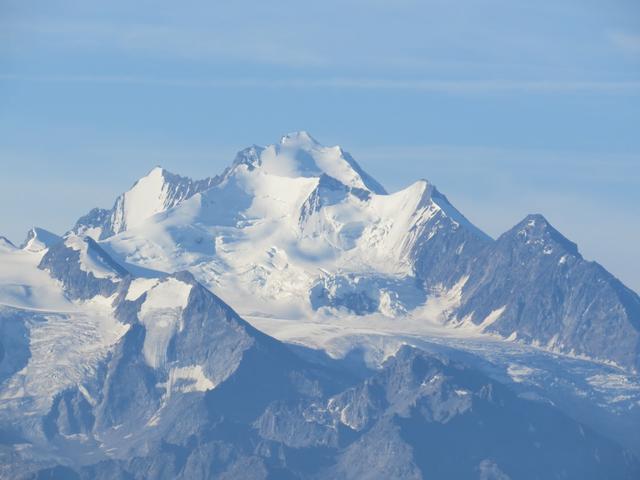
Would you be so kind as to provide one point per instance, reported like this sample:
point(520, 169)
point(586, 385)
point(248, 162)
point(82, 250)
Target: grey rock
point(447, 243)
point(552, 296)
point(39, 239)
point(63, 263)
point(71, 413)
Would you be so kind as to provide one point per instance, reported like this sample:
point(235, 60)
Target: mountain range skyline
point(381, 232)
point(510, 107)
point(591, 250)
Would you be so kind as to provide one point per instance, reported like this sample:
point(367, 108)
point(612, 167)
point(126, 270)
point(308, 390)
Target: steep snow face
point(156, 192)
point(22, 285)
point(150, 195)
point(161, 315)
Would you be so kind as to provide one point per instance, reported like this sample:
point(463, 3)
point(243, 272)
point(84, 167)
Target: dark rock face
point(70, 414)
point(447, 244)
point(64, 264)
point(39, 239)
point(14, 342)
point(250, 157)
point(328, 192)
point(419, 417)
point(552, 296)
point(96, 218)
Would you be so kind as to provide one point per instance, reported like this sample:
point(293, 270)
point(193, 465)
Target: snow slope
point(22, 285)
point(155, 192)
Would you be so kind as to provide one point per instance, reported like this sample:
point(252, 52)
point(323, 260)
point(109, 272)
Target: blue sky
point(510, 107)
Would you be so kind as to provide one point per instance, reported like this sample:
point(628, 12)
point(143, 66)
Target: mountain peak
point(536, 219)
point(535, 229)
point(156, 192)
point(158, 176)
point(300, 138)
point(298, 154)
point(39, 239)
point(157, 170)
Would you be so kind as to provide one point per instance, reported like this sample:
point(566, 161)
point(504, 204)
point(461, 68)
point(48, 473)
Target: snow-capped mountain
point(378, 335)
point(158, 191)
point(299, 229)
point(39, 239)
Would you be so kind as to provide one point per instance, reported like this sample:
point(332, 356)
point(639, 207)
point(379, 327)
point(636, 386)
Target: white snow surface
point(139, 286)
point(90, 260)
point(146, 198)
point(161, 315)
point(65, 349)
point(22, 285)
point(300, 155)
point(188, 379)
point(6, 245)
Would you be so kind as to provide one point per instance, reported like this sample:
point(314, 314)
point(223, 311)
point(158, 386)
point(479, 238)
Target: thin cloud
point(447, 86)
point(162, 41)
point(627, 42)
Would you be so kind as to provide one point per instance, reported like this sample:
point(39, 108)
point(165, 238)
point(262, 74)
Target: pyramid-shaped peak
point(536, 224)
point(534, 219)
point(159, 176)
point(535, 229)
point(156, 192)
point(39, 239)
